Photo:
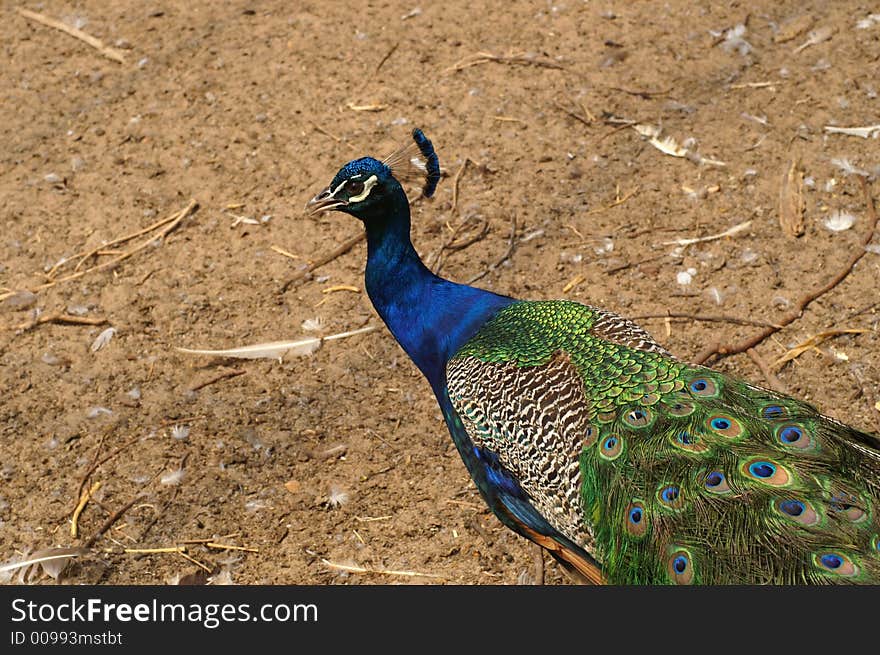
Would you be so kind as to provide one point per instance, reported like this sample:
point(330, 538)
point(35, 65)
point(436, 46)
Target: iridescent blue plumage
point(429, 316)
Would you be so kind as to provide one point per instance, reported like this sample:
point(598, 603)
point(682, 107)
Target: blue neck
point(430, 317)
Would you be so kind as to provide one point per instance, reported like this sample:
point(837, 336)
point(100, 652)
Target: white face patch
point(369, 183)
point(337, 189)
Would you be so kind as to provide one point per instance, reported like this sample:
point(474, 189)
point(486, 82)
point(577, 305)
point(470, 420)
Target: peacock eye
point(354, 187)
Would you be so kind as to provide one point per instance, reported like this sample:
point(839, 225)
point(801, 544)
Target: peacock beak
point(324, 202)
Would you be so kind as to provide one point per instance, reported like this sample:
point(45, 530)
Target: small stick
point(644, 95)
point(341, 287)
point(198, 541)
point(225, 375)
point(80, 506)
point(320, 129)
point(153, 551)
point(861, 311)
point(386, 58)
point(511, 246)
point(204, 567)
point(455, 180)
point(111, 520)
point(94, 465)
point(617, 129)
point(705, 318)
point(156, 515)
point(622, 267)
point(282, 251)
point(212, 544)
point(619, 201)
point(574, 115)
point(370, 107)
point(754, 85)
point(62, 319)
point(369, 519)
point(729, 232)
point(771, 378)
point(122, 510)
point(83, 256)
point(326, 454)
point(174, 222)
point(577, 232)
point(450, 244)
point(514, 59)
point(813, 342)
point(128, 237)
point(103, 460)
point(146, 277)
point(343, 248)
point(68, 319)
point(361, 569)
point(464, 503)
point(725, 350)
point(97, 44)
point(576, 280)
point(186, 419)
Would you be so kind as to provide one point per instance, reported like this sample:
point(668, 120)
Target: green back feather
point(685, 475)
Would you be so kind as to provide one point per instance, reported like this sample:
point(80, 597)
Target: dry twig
point(115, 516)
point(153, 551)
point(523, 59)
point(719, 350)
point(773, 382)
point(618, 201)
point(350, 568)
point(97, 44)
point(343, 248)
point(168, 224)
point(192, 559)
point(813, 343)
point(225, 375)
point(212, 544)
point(623, 267)
point(728, 232)
point(282, 251)
point(455, 180)
point(61, 318)
point(451, 245)
point(80, 506)
point(587, 119)
point(791, 200)
point(704, 318)
point(97, 462)
point(511, 246)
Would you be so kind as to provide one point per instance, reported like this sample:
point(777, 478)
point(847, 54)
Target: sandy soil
point(249, 110)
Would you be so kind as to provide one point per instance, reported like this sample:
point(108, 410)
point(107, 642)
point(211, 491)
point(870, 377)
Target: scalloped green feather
point(734, 484)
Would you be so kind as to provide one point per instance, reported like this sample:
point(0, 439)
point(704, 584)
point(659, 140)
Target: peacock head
point(364, 185)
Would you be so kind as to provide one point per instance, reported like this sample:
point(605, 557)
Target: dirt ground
point(249, 108)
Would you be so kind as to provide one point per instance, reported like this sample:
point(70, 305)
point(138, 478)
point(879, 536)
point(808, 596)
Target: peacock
point(587, 437)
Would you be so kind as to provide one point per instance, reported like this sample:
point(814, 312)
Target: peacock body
point(587, 437)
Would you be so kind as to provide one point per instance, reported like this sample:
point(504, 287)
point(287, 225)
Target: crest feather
point(416, 162)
